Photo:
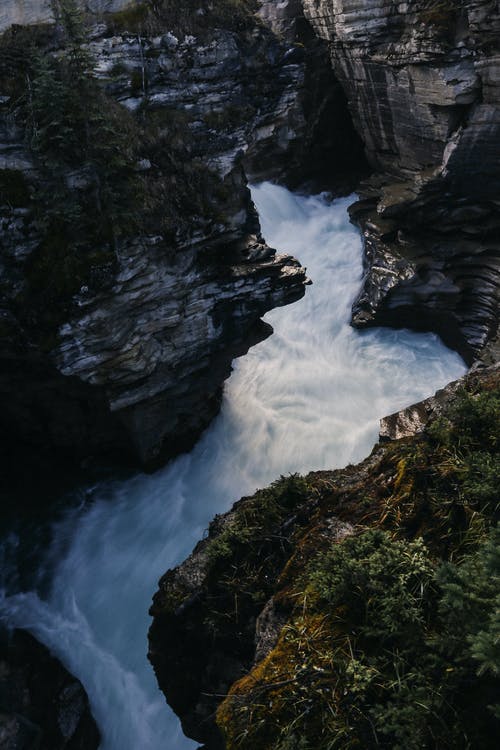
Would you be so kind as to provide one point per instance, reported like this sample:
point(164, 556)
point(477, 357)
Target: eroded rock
point(132, 359)
point(422, 84)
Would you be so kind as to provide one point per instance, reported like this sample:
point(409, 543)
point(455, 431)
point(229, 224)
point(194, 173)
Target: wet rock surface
point(42, 705)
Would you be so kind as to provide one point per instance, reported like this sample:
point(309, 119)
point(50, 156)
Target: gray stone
point(137, 366)
point(415, 418)
point(423, 85)
point(24, 12)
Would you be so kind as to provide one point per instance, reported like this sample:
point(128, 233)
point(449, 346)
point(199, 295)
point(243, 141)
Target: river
point(309, 397)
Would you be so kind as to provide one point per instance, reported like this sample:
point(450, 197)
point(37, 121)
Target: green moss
point(246, 551)
point(260, 709)
point(154, 17)
point(380, 652)
point(446, 483)
point(257, 520)
point(392, 641)
point(170, 596)
point(132, 19)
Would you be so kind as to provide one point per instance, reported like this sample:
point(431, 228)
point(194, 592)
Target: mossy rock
point(131, 19)
point(193, 17)
point(374, 652)
point(376, 655)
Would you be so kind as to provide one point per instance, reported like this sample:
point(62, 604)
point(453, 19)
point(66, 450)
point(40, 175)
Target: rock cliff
point(248, 646)
point(133, 270)
point(118, 332)
point(422, 82)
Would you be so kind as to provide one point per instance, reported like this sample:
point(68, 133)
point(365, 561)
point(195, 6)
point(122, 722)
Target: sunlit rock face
point(422, 80)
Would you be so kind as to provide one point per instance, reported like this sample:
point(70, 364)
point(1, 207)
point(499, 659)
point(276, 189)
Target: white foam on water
point(309, 397)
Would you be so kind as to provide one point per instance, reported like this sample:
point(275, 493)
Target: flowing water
point(309, 397)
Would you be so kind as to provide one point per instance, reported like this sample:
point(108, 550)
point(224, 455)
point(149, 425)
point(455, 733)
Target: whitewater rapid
point(309, 397)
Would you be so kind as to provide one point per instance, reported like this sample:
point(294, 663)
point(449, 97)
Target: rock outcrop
point(123, 343)
point(238, 645)
point(422, 83)
point(191, 634)
point(133, 270)
point(41, 704)
point(414, 419)
point(123, 346)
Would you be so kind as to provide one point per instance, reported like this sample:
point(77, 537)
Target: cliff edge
point(422, 82)
point(349, 608)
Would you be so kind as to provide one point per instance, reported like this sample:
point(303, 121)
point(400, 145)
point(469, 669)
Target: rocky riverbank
point(258, 642)
point(421, 79)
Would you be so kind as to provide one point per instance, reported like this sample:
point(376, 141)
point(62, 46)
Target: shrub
point(386, 649)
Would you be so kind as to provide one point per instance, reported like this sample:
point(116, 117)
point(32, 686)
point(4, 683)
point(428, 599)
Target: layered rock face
point(326, 152)
point(128, 354)
point(41, 704)
point(422, 83)
point(119, 344)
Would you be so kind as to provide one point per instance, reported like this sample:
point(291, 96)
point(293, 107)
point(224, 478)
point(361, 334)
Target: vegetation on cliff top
point(90, 192)
point(392, 634)
point(189, 17)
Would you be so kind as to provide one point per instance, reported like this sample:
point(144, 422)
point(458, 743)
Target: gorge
point(135, 269)
point(308, 397)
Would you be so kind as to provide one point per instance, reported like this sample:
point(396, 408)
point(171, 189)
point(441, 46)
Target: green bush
point(386, 649)
point(197, 17)
point(256, 521)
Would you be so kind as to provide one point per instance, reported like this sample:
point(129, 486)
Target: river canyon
point(310, 397)
point(185, 317)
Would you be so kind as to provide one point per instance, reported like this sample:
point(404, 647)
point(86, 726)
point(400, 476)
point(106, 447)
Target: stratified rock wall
point(422, 80)
point(136, 362)
point(415, 73)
